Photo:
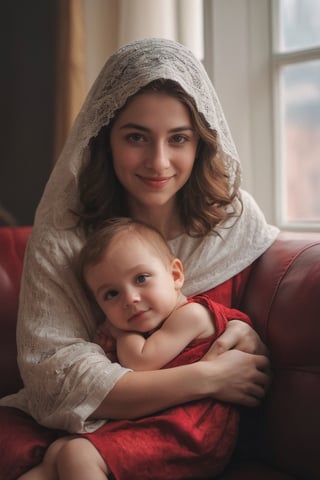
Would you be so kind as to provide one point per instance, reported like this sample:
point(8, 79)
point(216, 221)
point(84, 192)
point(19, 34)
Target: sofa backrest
point(283, 300)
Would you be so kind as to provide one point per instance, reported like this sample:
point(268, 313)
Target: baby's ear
point(177, 273)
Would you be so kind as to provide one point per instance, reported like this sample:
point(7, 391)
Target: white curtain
point(111, 23)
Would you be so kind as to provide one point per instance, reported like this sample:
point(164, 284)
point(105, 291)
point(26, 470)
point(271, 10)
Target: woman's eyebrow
point(136, 126)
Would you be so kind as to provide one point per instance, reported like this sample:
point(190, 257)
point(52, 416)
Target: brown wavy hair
point(205, 201)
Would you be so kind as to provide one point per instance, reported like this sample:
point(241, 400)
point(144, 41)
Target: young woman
point(150, 142)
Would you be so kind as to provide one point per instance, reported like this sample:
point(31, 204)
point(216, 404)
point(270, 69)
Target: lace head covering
point(129, 69)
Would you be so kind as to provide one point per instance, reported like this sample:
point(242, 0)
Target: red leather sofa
point(281, 439)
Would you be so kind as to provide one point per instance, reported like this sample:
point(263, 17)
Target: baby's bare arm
point(186, 323)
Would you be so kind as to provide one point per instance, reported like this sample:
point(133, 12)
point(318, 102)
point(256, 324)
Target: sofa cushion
point(22, 442)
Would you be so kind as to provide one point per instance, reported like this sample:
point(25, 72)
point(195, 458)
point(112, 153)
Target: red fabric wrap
point(194, 440)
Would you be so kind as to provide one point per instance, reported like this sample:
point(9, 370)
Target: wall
point(26, 111)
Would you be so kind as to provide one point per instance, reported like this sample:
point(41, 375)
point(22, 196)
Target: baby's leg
point(47, 470)
point(80, 460)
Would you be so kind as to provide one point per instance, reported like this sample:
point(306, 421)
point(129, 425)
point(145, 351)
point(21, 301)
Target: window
point(270, 94)
point(296, 68)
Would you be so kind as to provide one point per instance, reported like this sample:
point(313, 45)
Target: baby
point(129, 270)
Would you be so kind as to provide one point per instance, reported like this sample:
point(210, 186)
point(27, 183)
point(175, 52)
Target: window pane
point(301, 126)
point(299, 24)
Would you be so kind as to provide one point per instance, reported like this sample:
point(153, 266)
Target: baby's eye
point(142, 278)
point(110, 294)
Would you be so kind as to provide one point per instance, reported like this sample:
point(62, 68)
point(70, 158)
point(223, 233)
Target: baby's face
point(136, 288)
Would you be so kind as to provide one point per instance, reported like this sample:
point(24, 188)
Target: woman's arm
point(233, 376)
point(186, 323)
point(225, 373)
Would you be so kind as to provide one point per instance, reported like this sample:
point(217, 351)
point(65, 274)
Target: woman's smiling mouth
point(155, 182)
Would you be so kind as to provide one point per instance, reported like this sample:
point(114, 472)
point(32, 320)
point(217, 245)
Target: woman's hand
point(240, 336)
point(237, 377)
point(241, 358)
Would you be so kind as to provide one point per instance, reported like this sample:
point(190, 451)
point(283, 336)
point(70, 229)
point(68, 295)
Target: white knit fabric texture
point(65, 375)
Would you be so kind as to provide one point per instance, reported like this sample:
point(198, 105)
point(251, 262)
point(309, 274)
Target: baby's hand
point(105, 338)
point(114, 332)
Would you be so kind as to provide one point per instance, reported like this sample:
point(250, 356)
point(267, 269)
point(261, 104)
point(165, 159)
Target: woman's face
point(153, 145)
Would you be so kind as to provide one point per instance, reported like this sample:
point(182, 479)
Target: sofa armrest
point(12, 246)
point(283, 299)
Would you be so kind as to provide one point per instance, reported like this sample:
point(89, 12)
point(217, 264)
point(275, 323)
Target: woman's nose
point(158, 157)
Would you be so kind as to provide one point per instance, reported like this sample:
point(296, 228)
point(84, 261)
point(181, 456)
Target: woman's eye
point(142, 278)
point(135, 137)
point(110, 294)
point(179, 139)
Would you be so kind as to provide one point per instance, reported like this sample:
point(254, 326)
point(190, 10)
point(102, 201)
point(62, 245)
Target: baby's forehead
point(131, 240)
point(147, 241)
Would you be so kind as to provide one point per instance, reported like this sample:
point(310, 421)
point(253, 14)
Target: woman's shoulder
point(47, 240)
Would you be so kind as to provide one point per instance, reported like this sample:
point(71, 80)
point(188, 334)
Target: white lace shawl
point(65, 375)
